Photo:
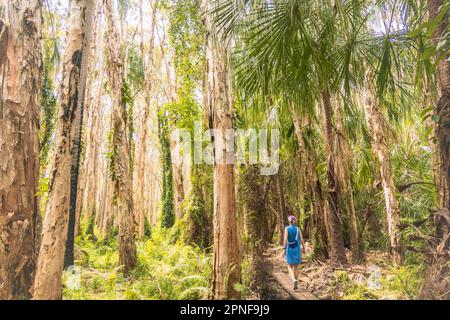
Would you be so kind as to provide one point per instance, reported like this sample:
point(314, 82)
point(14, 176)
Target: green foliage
point(164, 271)
point(90, 226)
point(128, 101)
point(147, 229)
point(167, 208)
point(396, 282)
point(111, 153)
point(111, 157)
point(48, 117)
point(246, 279)
point(135, 68)
point(186, 37)
point(351, 290)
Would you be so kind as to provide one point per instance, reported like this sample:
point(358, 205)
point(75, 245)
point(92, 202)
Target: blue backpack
point(294, 243)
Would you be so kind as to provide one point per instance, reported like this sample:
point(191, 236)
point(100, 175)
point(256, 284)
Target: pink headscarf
point(291, 219)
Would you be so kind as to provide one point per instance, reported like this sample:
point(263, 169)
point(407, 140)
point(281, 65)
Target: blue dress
point(293, 255)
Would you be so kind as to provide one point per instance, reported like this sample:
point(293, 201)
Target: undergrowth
point(165, 270)
point(395, 283)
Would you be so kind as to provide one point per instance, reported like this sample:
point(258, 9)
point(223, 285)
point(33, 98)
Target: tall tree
point(343, 171)
point(376, 126)
point(313, 186)
point(442, 109)
point(435, 284)
point(20, 84)
point(120, 143)
point(76, 152)
point(334, 223)
point(286, 52)
point(220, 104)
point(168, 201)
point(51, 256)
point(148, 70)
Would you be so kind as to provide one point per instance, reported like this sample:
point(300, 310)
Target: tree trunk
point(148, 70)
point(20, 85)
point(51, 256)
point(177, 175)
point(122, 173)
point(219, 102)
point(91, 110)
point(282, 215)
point(343, 172)
point(90, 202)
point(312, 183)
point(337, 249)
point(76, 152)
point(435, 286)
point(376, 126)
point(442, 107)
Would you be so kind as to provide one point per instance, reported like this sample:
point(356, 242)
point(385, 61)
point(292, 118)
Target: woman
point(292, 239)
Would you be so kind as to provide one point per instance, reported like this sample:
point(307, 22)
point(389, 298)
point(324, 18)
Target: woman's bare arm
point(301, 238)
point(285, 237)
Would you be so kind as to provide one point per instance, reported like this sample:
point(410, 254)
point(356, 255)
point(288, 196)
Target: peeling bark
point(122, 182)
point(219, 102)
point(177, 170)
point(76, 152)
point(376, 126)
point(20, 85)
point(55, 227)
point(148, 69)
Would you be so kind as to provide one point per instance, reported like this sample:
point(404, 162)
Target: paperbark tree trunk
point(148, 70)
point(20, 85)
point(90, 202)
point(76, 152)
point(336, 237)
point(122, 173)
point(177, 170)
point(376, 126)
point(219, 102)
point(92, 97)
point(51, 256)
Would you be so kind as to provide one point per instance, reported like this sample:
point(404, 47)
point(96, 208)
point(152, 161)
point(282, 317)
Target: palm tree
point(21, 70)
point(438, 12)
point(285, 49)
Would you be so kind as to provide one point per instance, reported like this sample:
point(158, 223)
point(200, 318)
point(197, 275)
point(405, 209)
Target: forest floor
point(375, 278)
point(170, 269)
point(166, 270)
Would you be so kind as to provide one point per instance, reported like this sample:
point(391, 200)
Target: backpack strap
point(296, 237)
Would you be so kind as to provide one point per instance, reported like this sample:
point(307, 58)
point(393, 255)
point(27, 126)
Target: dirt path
point(279, 283)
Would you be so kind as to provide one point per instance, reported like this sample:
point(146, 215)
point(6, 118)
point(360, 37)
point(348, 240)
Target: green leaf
point(435, 118)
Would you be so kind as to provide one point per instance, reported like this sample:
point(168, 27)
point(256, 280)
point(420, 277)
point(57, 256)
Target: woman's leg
point(292, 271)
point(295, 267)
